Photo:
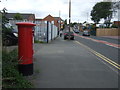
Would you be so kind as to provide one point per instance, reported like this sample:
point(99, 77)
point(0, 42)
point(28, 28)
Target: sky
point(80, 9)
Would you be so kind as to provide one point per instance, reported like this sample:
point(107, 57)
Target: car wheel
point(15, 42)
point(72, 38)
point(7, 42)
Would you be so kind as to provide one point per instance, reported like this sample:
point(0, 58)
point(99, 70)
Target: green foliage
point(93, 27)
point(4, 19)
point(114, 26)
point(11, 77)
point(9, 62)
point(18, 16)
point(5, 30)
point(65, 23)
point(101, 10)
point(36, 41)
point(72, 24)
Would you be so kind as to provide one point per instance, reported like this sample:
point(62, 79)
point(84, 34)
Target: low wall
point(107, 32)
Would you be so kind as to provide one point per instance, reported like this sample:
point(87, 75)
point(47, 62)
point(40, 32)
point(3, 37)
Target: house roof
point(24, 15)
point(58, 18)
point(48, 16)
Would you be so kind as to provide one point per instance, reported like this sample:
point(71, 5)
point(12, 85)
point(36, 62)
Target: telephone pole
point(69, 14)
point(59, 20)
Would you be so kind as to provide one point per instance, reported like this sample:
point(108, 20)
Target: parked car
point(86, 33)
point(76, 31)
point(9, 36)
point(69, 35)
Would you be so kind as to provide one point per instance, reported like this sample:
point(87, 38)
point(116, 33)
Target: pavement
point(66, 64)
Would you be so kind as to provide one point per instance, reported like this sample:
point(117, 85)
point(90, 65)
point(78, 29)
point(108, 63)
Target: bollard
point(25, 48)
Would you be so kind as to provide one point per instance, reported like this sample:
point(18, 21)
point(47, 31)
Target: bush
point(10, 75)
point(114, 26)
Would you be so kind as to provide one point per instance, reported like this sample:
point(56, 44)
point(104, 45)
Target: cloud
point(41, 8)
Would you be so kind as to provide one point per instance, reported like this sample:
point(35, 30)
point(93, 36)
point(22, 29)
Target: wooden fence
point(108, 32)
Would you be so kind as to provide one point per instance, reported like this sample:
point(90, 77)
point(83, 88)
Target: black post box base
point(26, 70)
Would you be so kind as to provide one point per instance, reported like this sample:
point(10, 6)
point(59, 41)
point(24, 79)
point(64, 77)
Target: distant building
point(39, 20)
point(57, 21)
point(25, 16)
point(117, 23)
point(60, 21)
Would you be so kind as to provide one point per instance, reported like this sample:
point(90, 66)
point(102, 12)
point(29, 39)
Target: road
point(107, 50)
point(74, 64)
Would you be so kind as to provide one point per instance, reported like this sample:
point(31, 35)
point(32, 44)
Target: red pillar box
point(25, 48)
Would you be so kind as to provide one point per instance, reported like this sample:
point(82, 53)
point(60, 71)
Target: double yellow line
point(111, 62)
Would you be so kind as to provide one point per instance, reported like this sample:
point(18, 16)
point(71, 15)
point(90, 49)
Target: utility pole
point(59, 20)
point(119, 11)
point(69, 14)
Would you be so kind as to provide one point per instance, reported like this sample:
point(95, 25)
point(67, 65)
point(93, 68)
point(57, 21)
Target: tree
point(65, 23)
point(102, 10)
point(4, 19)
point(18, 16)
point(72, 24)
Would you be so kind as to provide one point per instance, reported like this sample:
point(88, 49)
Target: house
point(51, 19)
point(56, 20)
point(117, 23)
point(25, 16)
point(61, 21)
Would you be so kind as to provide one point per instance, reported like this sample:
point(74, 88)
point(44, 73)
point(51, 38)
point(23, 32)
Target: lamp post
point(69, 14)
point(59, 21)
point(119, 11)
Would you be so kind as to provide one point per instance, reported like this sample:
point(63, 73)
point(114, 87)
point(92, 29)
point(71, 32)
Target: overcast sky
point(41, 8)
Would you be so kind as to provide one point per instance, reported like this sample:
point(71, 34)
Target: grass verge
point(11, 78)
point(39, 41)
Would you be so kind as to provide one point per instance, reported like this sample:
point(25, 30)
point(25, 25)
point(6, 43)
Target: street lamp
point(69, 14)
point(59, 20)
point(119, 11)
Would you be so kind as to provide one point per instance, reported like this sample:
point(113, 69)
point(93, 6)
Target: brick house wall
point(50, 19)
